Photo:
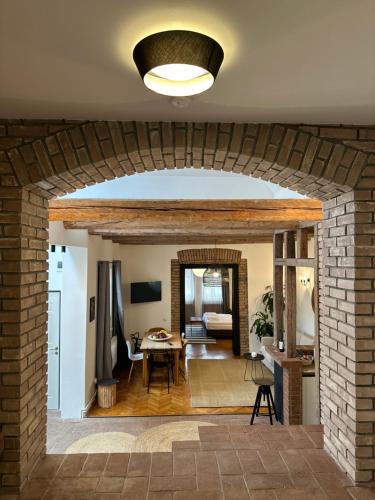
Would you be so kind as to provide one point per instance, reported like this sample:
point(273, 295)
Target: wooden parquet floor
point(133, 399)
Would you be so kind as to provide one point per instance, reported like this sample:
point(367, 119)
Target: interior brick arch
point(97, 151)
point(212, 256)
point(40, 160)
point(209, 256)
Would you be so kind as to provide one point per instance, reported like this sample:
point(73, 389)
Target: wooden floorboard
point(133, 399)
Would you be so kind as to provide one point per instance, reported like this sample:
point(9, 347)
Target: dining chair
point(136, 341)
point(133, 358)
point(160, 355)
point(156, 361)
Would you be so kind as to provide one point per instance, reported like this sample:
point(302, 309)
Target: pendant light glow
point(212, 277)
point(178, 72)
point(178, 63)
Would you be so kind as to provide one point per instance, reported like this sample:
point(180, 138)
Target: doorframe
point(236, 343)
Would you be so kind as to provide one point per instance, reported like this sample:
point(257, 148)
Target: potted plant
point(263, 320)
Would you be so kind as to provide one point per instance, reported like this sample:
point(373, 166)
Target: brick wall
point(209, 256)
point(212, 256)
point(347, 331)
point(23, 340)
point(175, 295)
point(82, 153)
point(292, 393)
point(43, 159)
point(243, 306)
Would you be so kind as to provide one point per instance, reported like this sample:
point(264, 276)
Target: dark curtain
point(225, 291)
point(103, 329)
point(118, 314)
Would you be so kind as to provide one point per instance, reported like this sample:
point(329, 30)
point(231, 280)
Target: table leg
point(176, 367)
point(145, 369)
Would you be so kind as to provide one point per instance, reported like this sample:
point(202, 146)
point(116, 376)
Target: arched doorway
point(213, 256)
point(51, 161)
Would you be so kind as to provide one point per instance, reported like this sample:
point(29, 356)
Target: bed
point(217, 325)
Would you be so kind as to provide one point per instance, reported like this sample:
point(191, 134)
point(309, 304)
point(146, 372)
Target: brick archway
point(93, 152)
point(41, 160)
point(212, 256)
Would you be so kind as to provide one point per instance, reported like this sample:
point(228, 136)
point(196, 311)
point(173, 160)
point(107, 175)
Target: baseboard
point(85, 411)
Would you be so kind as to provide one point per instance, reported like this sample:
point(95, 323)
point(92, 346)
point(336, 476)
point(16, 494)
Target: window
point(212, 295)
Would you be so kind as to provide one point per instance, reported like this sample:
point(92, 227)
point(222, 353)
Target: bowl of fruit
point(160, 336)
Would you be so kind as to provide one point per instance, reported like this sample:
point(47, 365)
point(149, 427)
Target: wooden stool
point(107, 393)
point(264, 390)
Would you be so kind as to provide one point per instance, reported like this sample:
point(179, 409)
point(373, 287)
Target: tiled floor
point(230, 461)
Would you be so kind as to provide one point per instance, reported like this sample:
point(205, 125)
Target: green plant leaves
point(263, 322)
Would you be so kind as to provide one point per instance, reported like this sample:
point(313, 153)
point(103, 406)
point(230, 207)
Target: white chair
point(133, 358)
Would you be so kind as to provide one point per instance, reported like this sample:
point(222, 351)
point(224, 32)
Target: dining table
point(174, 345)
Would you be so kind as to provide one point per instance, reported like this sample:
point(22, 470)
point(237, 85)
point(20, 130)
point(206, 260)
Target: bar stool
point(264, 390)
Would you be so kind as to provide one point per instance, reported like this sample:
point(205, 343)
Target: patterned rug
point(158, 438)
point(220, 382)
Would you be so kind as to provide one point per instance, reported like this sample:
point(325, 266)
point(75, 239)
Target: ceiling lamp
point(177, 62)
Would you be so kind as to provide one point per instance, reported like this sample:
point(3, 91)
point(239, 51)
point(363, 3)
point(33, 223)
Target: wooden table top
point(173, 343)
point(281, 359)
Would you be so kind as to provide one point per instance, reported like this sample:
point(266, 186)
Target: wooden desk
point(174, 344)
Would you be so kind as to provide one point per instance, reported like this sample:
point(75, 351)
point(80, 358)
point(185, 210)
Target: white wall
point(58, 235)
point(71, 281)
point(305, 320)
point(153, 263)
point(73, 329)
point(79, 378)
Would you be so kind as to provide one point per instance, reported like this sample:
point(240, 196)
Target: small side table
point(253, 361)
point(107, 392)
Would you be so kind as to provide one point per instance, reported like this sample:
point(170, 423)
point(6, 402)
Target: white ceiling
point(285, 60)
point(186, 183)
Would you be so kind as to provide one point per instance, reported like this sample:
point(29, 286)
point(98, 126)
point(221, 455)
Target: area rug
point(220, 382)
point(158, 438)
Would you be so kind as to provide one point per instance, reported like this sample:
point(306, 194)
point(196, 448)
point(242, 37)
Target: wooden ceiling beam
point(184, 231)
point(198, 226)
point(185, 211)
point(189, 204)
point(185, 221)
point(185, 240)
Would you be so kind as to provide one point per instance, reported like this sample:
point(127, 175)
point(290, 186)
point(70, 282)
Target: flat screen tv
point(149, 291)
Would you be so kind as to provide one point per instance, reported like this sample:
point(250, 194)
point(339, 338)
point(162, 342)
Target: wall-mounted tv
point(149, 291)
